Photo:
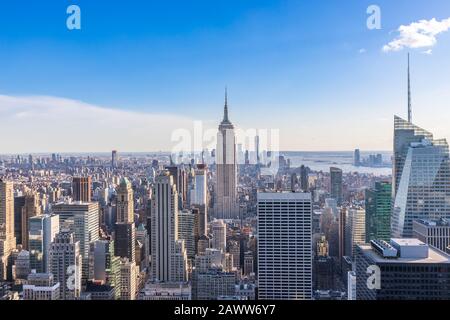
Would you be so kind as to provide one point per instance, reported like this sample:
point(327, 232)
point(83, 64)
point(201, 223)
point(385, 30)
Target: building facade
point(284, 246)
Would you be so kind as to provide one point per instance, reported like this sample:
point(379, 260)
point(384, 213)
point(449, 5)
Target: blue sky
point(309, 68)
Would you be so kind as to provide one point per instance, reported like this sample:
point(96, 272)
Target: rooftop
point(434, 256)
point(284, 196)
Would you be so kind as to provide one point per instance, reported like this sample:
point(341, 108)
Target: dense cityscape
point(227, 225)
point(224, 158)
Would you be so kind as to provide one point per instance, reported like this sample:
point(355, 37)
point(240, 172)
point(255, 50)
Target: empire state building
point(225, 204)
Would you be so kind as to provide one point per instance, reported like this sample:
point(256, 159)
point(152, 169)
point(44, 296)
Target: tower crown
point(226, 121)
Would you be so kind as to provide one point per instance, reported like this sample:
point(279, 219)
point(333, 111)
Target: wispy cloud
point(421, 34)
point(43, 123)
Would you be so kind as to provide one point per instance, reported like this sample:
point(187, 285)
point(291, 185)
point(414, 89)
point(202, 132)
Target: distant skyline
point(138, 70)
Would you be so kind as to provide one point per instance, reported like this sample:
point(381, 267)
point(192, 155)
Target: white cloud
point(362, 51)
point(421, 34)
point(44, 124)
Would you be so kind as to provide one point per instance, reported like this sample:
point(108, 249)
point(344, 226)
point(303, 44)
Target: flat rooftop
point(434, 256)
point(284, 196)
point(408, 242)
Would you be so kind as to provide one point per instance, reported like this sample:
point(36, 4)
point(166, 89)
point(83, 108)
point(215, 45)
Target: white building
point(433, 232)
point(167, 249)
point(65, 262)
point(355, 230)
point(284, 246)
point(40, 286)
point(128, 279)
point(41, 233)
point(166, 291)
point(226, 204)
point(219, 233)
point(351, 285)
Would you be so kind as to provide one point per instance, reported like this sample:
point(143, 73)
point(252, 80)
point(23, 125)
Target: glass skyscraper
point(378, 211)
point(421, 178)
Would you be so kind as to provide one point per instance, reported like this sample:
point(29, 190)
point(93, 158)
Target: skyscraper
point(355, 230)
point(7, 238)
point(125, 202)
point(128, 279)
point(336, 184)
point(421, 177)
point(180, 180)
point(165, 244)
point(65, 263)
point(219, 233)
point(304, 184)
point(82, 189)
point(30, 209)
point(201, 188)
point(225, 204)
point(433, 232)
point(410, 270)
point(378, 212)
point(82, 218)
point(125, 240)
point(284, 246)
point(42, 231)
point(114, 159)
point(104, 265)
point(186, 231)
point(257, 152)
point(357, 158)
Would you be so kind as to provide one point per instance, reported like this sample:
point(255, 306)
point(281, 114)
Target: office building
point(436, 233)
point(100, 291)
point(81, 187)
point(82, 218)
point(421, 178)
point(219, 235)
point(124, 202)
point(226, 202)
point(212, 284)
point(410, 270)
point(143, 240)
point(42, 232)
point(114, 159)
point(128, 279)
point(65, 263)
point(284, 246)
point(357, 158)
point(304, 179)
point(125, 240)
point(186, 231)
point(336, 184)
point(30, 209)
point(104, 265)
point(351, 285)
point(41, 286)
point(166, 291)
point(167, 249)
point(7, 238)
point(378, 212)
point(200, 195)
point(355, 230)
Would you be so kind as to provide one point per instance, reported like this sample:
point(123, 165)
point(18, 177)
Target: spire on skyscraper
point(409, 94)
point(225, 109)
point(226, 123)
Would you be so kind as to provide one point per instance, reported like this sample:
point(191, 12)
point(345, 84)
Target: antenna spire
point(409, 94)
point(225, 109)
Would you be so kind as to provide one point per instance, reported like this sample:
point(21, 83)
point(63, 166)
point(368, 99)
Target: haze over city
point(133, 75)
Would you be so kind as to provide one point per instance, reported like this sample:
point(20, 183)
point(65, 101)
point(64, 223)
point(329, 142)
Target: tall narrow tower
point(7, 238)
point(225, 205)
